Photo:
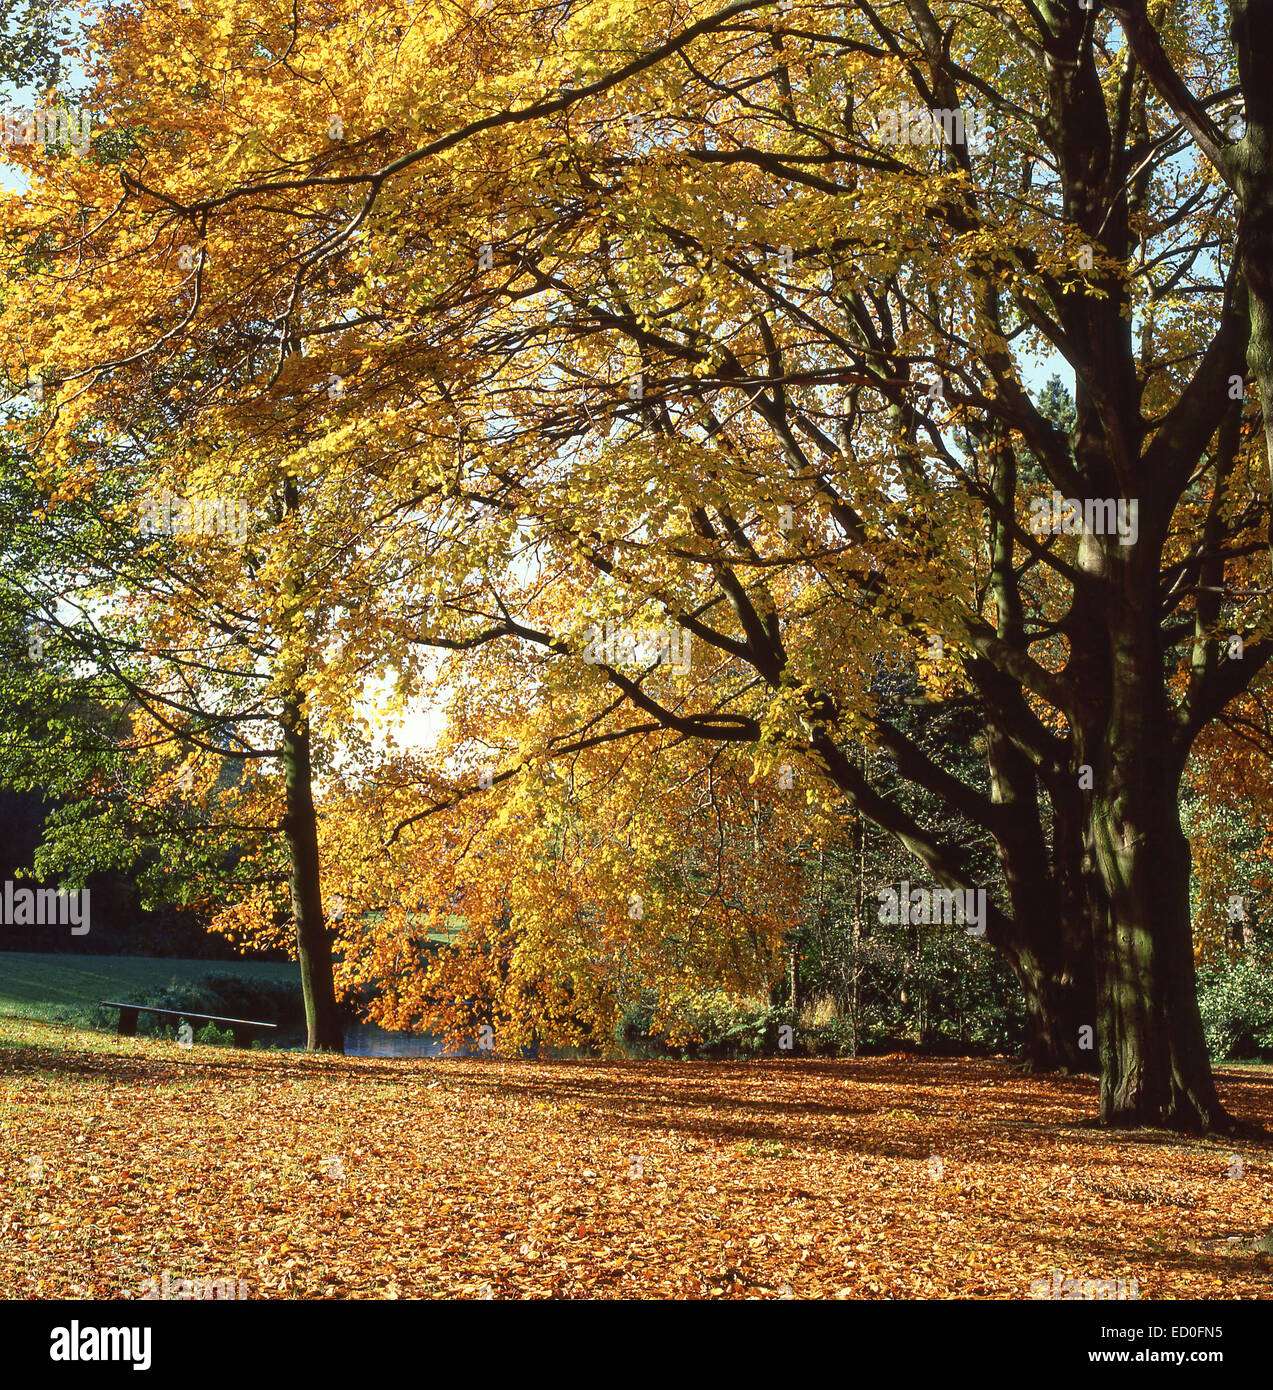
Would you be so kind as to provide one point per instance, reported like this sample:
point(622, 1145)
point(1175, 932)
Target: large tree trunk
point(1049, 948)
point(1154, 1064)
point(325, 1032)
point(1049, 942)
point(1063, 933)
point(1060, 1000)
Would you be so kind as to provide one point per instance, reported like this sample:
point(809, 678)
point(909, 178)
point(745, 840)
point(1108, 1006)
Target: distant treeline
point(119, 925)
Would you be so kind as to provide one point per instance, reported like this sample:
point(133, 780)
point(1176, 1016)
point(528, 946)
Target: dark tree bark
point(325, 1032)
point(1154, 1064)
point(1252, 164)
point(1049, 943)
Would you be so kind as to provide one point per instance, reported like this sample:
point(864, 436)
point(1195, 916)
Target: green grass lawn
point(61, 988)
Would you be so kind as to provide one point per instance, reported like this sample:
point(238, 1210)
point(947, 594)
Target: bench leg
point(127, 1023)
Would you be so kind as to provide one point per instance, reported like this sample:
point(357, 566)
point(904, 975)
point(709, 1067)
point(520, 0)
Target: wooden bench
point(240, 1027)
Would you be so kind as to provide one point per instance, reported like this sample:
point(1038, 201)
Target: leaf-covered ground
point(348, 1178)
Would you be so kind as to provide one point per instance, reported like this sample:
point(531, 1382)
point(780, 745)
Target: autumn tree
point(770, 313)
point(543, 904)
point(155, 382)
point(725, 319)
point(223, 585)
point(168, 719)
